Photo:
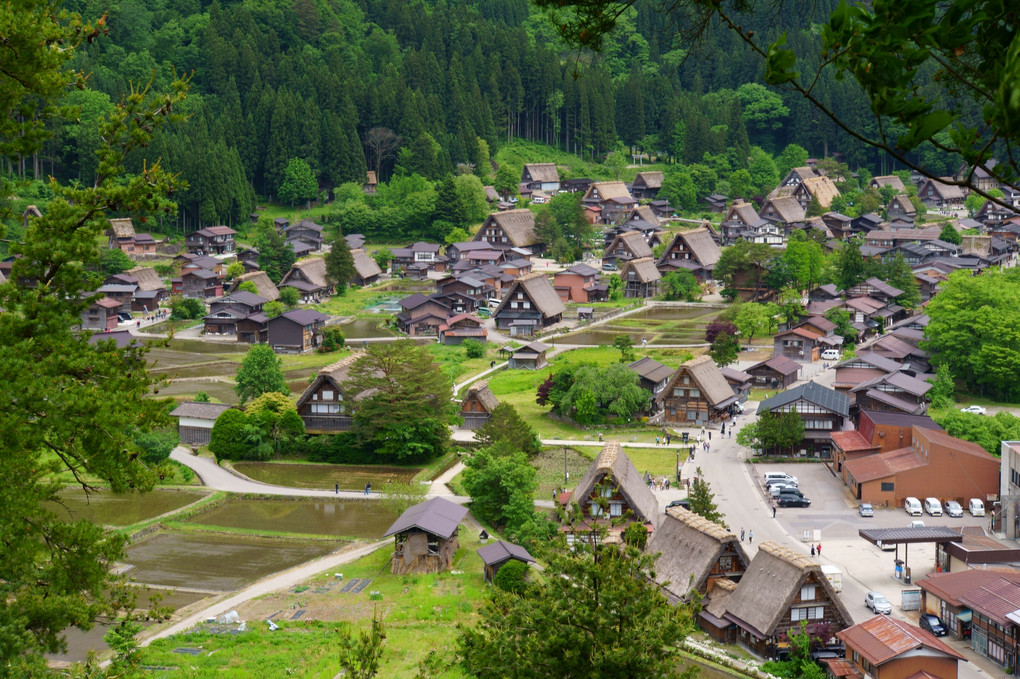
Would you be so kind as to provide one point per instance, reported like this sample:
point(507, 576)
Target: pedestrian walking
point(600, 437)
point(669, 439)
point(819, 549)
point(731, 432)
point(368, 488)
point(336, 488)
point(709, 436)
point(741, 534)
point(656, 440)
point(773, 511)
point(723, 431)
point(750, 536)
point(812, 550)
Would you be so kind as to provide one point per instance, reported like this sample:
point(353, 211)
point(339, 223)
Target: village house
point(942, 594)
point(646, 185)
point(541, 177)
point(936, 194)
point(839, 224)
point(579, 185)
point(694, 250)
point(371, 184)
point(778, 590)
point(120, 292)
point(477, 406)
point(991, 213)
point(695, 553)
point(366, 270)
point(612, 199)
point(819, 188)
point(611, 495)
point(308, 277)
point(933, 464)
point(325, 406)
point(226, 312)
point(741, 219)
point(979, 175)
point(101, 315)
point(195, 421)
point(890, 180)
point(883, 647)
point(463, 326)
point(470, 291)
point(894, 392)
point(716, 202)
point(798, 344)
point(416, 260)
point(739, 381)
point(822, 411)
point(580, 283)
point(529, 305)
point(200, 283)
point(697, 394)
point(495, 554)
point(863, 367)
point(797, 175)
point(640, 278)
point(531, 356)
point(625, 247)
point(122, 236)
point(306, 231)
point(778, 372)
point(212, 240)
point(900, 207)
point(151, 290)
point(425, 537)
point(783, 211)
point(455, 252)
point(295, 331)
point(421, 315)
point(511, 229)
point(652, 376)
point(249, 258)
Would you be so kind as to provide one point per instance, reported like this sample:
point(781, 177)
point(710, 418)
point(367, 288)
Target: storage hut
point(426, 537)
point(498, 553)
point(478, 404)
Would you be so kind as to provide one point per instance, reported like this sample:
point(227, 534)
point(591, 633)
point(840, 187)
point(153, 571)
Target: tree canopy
point(260, 371)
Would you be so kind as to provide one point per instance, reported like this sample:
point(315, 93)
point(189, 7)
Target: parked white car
point(977, 410)
point(878, 603)
point(976, 507)
point(932, 506)
point(912, 506)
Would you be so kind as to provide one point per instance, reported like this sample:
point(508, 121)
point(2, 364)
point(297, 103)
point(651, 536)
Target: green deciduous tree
point(289, 296)
point(681, 285)
point(724, 350)
point(507, 430)
point(752, 319)
point(792, 156)
point(276, 256)
point(974, 329)
point(235, 269)
point(617, 624)
point(501, 487)
point(679, 189)
point(260, 371)
point(841, 317)
point(407, 409)
point(512, 577)
point(113, 261)
point(943, 388)
point(590, 394)
point(185, 308)
point(950, 234)
point(626, 346)
point(156, 444)
point(507, 180)
point(298, 183)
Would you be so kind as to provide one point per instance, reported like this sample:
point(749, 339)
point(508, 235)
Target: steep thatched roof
point(706, 374)
point(264, 286)
point(541, 292)
point(770, 584)
point(314, 270)
point(122, 227)
point(608, 191)
point(613, 464)
point(742, 211)
point(701, 244)
point(785, 209)
point(644, 269)
point(518, 225)
point(481, 391)
point(634, 243)
point(543, 172)
point(823, 189)
point(364, 264)
point(147, 278)
point(889, 180)
point(334, 373)
point(652, 180)
point(689, 545)
point(646, 214)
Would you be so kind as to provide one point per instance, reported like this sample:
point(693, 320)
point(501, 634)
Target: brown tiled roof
point(612, 462)
point(107, 303)
point(851, 441)
point(651, 369)
point(882, 638)
point(883, 465)
point(951, 586)
point(644, 267)
point(956, 445)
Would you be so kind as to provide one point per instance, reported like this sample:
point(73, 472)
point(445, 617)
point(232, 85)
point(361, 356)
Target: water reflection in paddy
point(357, 519)
point(111, 509)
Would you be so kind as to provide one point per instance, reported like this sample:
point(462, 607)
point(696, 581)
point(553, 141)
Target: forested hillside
point(421, 87)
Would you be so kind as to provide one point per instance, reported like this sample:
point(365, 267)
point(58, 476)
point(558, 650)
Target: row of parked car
point(933, 507)
point(784, 490)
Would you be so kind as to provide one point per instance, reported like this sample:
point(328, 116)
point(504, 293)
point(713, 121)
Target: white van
point(976, 507)
point(912, 506)
point(830, 355)
point(780, 476)
point(933, 506)
point(834, 576)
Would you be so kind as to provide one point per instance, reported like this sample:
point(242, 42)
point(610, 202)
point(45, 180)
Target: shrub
point(332, 339)
point(512, 577)
point(184, 308)
point(473, 348)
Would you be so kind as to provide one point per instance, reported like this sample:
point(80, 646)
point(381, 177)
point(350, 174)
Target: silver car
point(954, 509)
point(866, 510)
point(878, 603)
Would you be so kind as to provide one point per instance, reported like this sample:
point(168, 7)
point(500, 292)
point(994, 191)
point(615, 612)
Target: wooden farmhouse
point(739, 381)
point(366, 270)
point(697, 394)
point(640, 278)
point(425, 537)
point(694, 250)
point(511, 229)
point(740, 219)
point(422, 315)
point(625, 247)
point(101, 315)
point(782, 210)
point(611, 495)
point(308, 277)
point(226, 313)
point(936, 194)
point(886, 648)
point(530, 304)
point(695, 554)
point(820, 188)
point(264, 286)
point(822, 410)
point(212, 240)
point(778, 372)
point(478, 404)
point(306, 231)
point(890, 180)
point(495, 554)
point(463, 326)
point(652, 375)
point(295, 331)
point(541, 177)
point(580, 283)
point(646, 185)
point(612, 199)
point(779, 589)
point(325, 406)
point(195, 421)
point(529, 357)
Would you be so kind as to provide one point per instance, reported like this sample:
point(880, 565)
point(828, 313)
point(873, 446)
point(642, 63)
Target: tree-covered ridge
point(443, 83)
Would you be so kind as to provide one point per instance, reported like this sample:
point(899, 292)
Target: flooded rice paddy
point(325, 476)
point(362, 328)
point(111, 509)
point(353, 519)
point(655, 325)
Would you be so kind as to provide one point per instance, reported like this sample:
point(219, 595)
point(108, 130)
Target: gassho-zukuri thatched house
point(695, 553)
point(495, 554)
point(478, 404)
point(623, 489)
point(779, 589)
point(426, 537)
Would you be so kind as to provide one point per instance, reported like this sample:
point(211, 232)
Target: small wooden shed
point(498, 553)
point(478, 404)
point(426, 537)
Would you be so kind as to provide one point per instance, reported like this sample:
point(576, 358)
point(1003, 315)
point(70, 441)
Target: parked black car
point(686, 504)
point(790, 500)
point(933, 624)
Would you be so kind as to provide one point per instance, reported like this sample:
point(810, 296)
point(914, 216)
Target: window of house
point(615, 509)
point(679, 393)
point(816, 612)
point(807, 593)
point(695, 393)
point(327, 395)
point(594, 509)
point(888, 486)
point(687, 379)
point(798, 614)
point(692, 414)
point(726, 563)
